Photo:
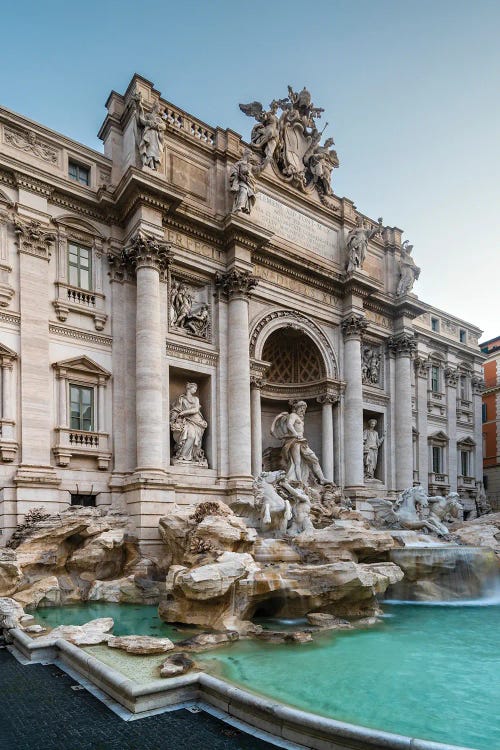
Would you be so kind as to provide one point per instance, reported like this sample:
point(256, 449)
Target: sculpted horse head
point(274, 511)
point(412, 500)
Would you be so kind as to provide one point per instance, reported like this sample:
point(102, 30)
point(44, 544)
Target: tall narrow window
point(464, 463)
point(435, 324)
point(435, 379)
point(485, 412)
point(463, 336)
point(437, 462)
point(80, 266)
point(82, 407)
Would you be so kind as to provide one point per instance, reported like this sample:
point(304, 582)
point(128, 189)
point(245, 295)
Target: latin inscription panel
point(296, 227)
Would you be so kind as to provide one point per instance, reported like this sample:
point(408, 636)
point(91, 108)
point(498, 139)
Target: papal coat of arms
point(286, 137)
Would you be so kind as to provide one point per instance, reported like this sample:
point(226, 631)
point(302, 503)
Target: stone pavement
point(40, 711)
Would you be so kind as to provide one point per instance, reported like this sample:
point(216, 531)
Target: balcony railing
point(71, 443)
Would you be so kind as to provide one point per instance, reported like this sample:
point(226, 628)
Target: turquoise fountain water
point(428, 671)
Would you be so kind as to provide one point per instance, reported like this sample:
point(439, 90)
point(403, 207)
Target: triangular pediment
point(466, 441)
point(6, 352)
point(439, 436)
point(83, 365)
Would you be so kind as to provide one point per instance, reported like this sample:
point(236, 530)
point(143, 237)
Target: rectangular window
point(81, 407)
point(437, 463)
point(80, 266)
point(435, 324)
point(79, 173)
point(464, 463)
point(485, 412)
point(463, 336)
point(86, 500)
point(435, 379)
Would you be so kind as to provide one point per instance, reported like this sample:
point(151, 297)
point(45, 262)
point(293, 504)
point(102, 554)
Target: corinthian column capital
point(236, 283)
point(148, 251)
point(404, 344)
point(33, 238)
point(353, 326)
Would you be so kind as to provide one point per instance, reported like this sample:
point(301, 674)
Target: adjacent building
point(491, 419)
point(163, 302)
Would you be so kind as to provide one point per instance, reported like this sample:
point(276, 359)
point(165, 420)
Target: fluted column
point(403, 346)
point(422, 384)
point(451, 376)
point(327, 453)
point(256, 385)
point(352, 329)
point(63, 401)
point(236, 287)
point(148, 257)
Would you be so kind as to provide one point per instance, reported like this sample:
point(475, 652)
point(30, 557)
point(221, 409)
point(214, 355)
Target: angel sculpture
point(408, 270)
point(264, 134)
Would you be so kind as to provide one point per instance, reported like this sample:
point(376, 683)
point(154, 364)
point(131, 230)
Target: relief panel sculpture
point(189, 313)
point(371, 365)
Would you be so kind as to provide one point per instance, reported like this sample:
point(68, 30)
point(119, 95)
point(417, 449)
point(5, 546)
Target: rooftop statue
point(242, 184)
point(152, 130)
point(291, 141)
point(357, 243)
point(408, 270)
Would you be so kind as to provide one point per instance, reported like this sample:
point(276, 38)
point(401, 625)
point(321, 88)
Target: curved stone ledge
point(287, 723)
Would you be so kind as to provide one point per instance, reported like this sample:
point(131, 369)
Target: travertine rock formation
point(67, 557)
point(480, 532)
point(141, 644)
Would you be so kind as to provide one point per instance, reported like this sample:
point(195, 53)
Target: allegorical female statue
point(242, 184)
point(188, 426)
point(153, 130)
point(371, 443)
point(408, 270)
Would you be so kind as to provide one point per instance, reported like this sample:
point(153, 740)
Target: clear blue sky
point(410, 88)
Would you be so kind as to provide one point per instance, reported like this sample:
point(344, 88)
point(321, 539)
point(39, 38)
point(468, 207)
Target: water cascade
point(445, 573)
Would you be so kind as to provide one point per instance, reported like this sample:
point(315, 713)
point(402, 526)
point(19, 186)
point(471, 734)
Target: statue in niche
point(357, 243)
point(370, 365)
point(242, 184)
point(371, 443)
point(299, 459)
point(188, 426)
point(408, 270)
point(152, 126)
point(184, 315)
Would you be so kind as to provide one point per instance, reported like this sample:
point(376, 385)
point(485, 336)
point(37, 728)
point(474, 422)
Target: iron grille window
point(80, 499)
point(80, 266)
point(79, 173)
point(82, 407)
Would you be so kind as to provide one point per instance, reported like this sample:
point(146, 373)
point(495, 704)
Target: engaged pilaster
point(403, 346)
point(352, 328)
point(451, 376)
point(422, 367)
point(148, 257)
point(236, 286)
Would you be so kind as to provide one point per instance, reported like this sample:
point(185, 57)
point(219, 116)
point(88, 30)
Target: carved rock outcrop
point(91, 634)
point(480, 532)
point(10, 572)
point(357, 538)
point(141, 644)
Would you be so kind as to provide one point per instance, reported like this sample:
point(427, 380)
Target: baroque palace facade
point(163, 305)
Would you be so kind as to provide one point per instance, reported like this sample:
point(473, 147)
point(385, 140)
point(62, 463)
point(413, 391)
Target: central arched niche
point(296, 367)
point(295, 359)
